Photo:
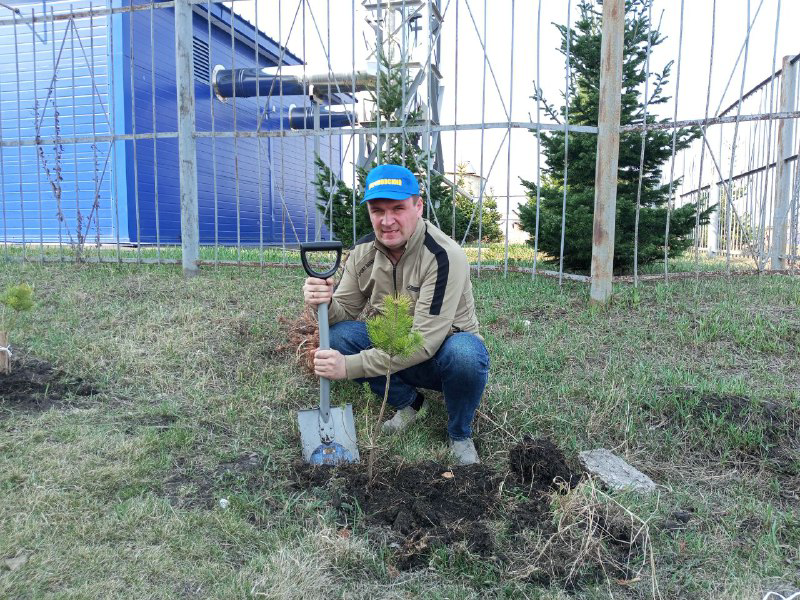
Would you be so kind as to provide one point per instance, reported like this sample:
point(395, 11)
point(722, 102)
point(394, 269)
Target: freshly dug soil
point(428, 505)
point(540, 465)
point(35, 385)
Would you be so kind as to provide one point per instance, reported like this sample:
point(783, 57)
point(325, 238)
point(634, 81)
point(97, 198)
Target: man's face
point(394, 221)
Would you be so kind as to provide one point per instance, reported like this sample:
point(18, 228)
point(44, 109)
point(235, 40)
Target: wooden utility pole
point(605, 180)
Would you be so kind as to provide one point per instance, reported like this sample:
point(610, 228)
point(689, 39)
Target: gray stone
point(615, 472)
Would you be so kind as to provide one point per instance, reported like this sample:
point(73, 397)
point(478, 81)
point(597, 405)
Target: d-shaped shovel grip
point(320, 247)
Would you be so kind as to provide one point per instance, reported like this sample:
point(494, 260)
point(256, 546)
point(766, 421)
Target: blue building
point(90, 76)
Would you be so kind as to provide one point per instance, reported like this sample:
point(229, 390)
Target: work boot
point(402, 419)
point(464, 452)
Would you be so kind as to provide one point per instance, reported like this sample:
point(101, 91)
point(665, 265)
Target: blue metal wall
point(94, 89)
point(251, 176)
point(58, 94)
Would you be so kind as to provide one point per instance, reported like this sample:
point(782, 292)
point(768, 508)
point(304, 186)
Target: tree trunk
point(377, 429)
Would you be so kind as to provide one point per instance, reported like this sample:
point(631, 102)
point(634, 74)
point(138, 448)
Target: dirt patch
point(185, 489)
point(741, 428)
point(192, 486)
point(429, 505)
point(425, 506)
point(35, 385)
point(249, 461)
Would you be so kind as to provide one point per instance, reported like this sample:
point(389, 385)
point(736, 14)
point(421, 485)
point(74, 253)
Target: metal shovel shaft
point(324, 383)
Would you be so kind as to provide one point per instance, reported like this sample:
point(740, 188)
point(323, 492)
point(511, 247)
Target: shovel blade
point(341, 448)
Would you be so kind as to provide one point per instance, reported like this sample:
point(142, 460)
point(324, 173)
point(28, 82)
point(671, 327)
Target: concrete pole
point(783, 177)
point(605, 180)
point(187, 151)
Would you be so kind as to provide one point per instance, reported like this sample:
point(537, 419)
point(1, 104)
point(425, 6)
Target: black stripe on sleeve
point(443, 272)
point(370, 237)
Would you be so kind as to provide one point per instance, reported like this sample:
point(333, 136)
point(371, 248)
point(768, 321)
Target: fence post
point(783, 176)
point(184, 79)
point(605, 179)
point(713, 224)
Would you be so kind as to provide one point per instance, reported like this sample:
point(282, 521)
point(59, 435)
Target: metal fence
point(761, 180)
point(183, 131)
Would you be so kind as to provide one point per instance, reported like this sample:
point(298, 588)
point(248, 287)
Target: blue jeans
point(459, 370)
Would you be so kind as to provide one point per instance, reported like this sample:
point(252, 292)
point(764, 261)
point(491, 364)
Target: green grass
point(117, 495)
point(493, 256)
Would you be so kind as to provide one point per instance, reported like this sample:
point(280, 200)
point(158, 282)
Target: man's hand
point(317, 291)
point(329, 364)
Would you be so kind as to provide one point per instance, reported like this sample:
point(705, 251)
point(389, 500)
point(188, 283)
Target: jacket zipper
point(394, 269)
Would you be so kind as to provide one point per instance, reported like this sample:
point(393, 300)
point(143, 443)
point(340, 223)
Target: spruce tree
point(584, 95)
point(402, 150)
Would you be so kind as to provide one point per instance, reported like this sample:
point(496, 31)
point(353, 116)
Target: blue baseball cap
point(390, 182)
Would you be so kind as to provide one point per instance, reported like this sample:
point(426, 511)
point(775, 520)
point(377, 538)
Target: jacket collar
point(414, 242)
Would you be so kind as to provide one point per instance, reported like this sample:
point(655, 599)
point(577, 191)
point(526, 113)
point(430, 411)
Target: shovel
point(328, 435)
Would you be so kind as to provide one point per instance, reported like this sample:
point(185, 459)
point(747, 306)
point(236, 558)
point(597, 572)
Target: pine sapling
point(16, 299)
point(391, 332)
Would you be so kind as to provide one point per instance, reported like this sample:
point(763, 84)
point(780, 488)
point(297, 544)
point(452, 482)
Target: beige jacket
point(433, 271)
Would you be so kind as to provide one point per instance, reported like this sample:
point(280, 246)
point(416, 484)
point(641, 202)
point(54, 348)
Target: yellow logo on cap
point(386, 182)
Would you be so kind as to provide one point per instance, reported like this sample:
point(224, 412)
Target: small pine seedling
point(391, 332)
point(18, 298)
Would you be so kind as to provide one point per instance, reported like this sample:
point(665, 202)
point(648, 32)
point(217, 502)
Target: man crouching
point(406, 254)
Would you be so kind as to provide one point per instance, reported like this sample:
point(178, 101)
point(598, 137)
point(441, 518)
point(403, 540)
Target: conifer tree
point(392, 333)
point(402, 150)
point(584, 96)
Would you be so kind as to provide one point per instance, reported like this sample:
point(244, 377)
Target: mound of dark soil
point(539, 464)
point(35, 385)
point(428, 505)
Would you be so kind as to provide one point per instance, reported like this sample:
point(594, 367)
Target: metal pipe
point(114, 192)
point(3, 182)
point(213, 149)
point(642, 149)
point(703, 147)
point(132, 80)
point(78, 243)
point(54, 88)
point(567, 76)
point(670, 199)
point(769, 137)
point(38, 161)
point(19, 134)
point(484, 43)
point(730, 207)
point(249, 82)
point(236, 154)
point(455, 133)
point(508, 157)
point(155, 141)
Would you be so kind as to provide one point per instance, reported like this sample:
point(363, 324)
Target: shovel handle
point(320, 247)
point(324, 383)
